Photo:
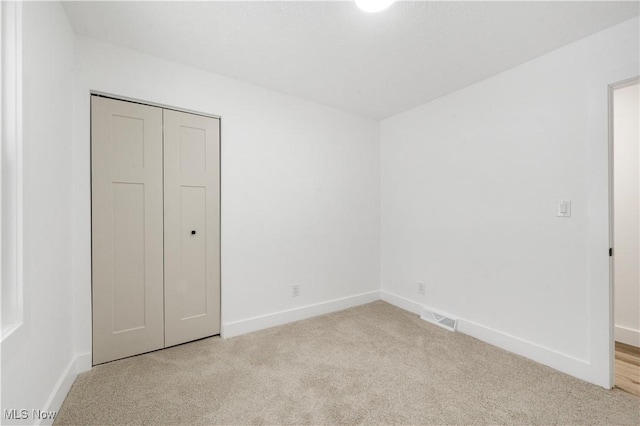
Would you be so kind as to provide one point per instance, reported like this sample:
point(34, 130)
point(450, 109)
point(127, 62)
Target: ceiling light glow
point(372, 6)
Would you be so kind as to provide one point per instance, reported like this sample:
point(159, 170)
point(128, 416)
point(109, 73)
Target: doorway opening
point(624, 120)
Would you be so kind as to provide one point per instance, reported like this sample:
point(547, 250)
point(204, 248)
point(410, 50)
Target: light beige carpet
point(374, 364)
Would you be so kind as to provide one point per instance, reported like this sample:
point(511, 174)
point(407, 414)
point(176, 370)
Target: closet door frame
point(118, 97)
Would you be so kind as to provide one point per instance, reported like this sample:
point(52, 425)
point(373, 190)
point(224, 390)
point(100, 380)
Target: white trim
point(610, 211)
point(627, 335)
point(237, 328)
point(557, 360)
point(401, 302)
point(61, 389)
point(83, 362)
point(12, 129)
point(560, 361)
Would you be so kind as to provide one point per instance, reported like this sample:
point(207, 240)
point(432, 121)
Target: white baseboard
point(627, 335)
point(79, 364)
point(83, 363)
point(550, 357)
point(237, 328)
point(401, 302)
point(560, 361)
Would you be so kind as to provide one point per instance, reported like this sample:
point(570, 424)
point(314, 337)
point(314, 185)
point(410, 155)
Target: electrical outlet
point(295, 290)
point(420, 288)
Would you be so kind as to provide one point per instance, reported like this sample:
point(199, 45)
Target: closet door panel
point(192, 226)
point(127, 229)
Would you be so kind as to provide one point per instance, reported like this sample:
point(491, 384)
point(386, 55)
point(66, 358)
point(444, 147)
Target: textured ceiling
point(376, 65)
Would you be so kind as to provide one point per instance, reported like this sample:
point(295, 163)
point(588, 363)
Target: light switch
point(564, 208)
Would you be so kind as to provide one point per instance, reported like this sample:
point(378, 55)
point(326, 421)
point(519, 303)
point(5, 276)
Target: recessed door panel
point(127, 229)
point(128, 257)
point(193, 247)
point(192, 226)
point(128, 142)
point(193, 153)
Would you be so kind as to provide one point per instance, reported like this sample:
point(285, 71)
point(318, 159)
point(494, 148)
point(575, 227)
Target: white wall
point(470, 184)
point(38, 363)
point(626, 120)
point(300, 189)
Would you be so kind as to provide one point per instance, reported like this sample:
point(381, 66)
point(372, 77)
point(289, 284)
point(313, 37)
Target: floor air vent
point(439, 319)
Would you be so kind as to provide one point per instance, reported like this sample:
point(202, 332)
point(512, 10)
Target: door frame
point(153, 104)
point(611, 187)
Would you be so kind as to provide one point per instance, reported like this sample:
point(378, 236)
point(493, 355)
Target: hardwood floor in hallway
point(627, 368)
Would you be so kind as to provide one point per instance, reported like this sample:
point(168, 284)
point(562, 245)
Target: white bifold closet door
point(127, 229)
point(191, 226)
point(155, 232)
